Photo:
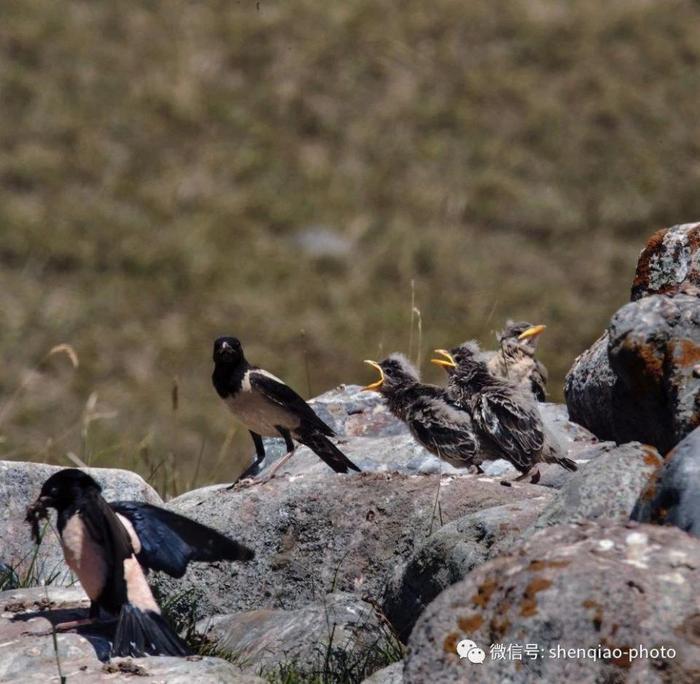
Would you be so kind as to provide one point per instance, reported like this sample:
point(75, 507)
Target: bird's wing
point(274, 390)
point(513, 426)
point(444, 430)
point(170, 541)
point(538, 380)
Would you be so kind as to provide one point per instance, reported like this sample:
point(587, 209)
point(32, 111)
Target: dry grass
point(159, 162)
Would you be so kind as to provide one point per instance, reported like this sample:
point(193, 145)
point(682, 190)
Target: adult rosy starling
point(111, 546)
point(505, 417)
point(270, 408)
point(433, 420)
point(515, 358)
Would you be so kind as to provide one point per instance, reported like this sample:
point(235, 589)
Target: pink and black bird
point(112, 546)
point(270, 408)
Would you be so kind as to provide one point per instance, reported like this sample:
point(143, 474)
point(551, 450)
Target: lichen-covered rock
point(605, 487)
point(670, 261)
point(638, 382)
point(316, 534)
point(448, 555)
point(588, 586)
point(340, 631)
point(28, 653)
point(20, 484)
point(672, 493)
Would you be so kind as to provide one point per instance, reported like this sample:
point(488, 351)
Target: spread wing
point(514, 427)
point(170, 541)
point(274, 390)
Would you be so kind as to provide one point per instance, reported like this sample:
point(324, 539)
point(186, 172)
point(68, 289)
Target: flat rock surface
point(20, 484)
point(388, 675)
point(28, 653)
point(573, 586)
point(316, 534)
point(375, 441)
point(672, 493)
point(340, 627)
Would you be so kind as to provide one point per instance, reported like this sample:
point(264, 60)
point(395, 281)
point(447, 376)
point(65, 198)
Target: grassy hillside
point(171, 171)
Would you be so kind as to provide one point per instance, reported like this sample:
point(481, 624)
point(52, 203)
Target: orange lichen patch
point(528, 607)
point(652, 363)
point(450, 643)
point(690, 629)
point(470, 624)
point(484, 592)
point(641, 277)
point(538, 565)
point(623, 660)
point(651, 457)
point(597, 612)
point(688, 354)
point(498, 627)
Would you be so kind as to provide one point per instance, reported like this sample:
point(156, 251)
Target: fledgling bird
point(433, 420)
point(270, 408)
point(506, 419)
point(111, 546)
point(515, 358)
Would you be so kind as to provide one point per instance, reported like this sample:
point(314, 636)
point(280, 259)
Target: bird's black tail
point(145, 632)
point(564, 462)
point(327, 451)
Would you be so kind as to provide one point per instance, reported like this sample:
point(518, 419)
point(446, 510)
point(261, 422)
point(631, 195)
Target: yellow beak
point(375, 385)
point(447, 362)
point(533, 331)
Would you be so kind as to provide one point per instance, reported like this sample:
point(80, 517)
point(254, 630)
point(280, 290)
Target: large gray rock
point(448, 555)
point(27, 654)
point(605, 487)
point(581, 586)
point(20, 484)
point(637, 382)
point(672, 493)
point(670, 262)
point(340, 632)
point(317, 534)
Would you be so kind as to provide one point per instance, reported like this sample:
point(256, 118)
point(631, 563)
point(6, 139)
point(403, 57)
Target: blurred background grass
point(301, 174)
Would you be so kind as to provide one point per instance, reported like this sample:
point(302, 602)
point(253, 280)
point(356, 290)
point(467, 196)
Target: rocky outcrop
point(338, 632)
point(315, 534)
point(28, 652)
point(20, 484)
point(672, 493)
point(670, 262)
point(448, 555)
point(591, 586)
point(604, 488)
point(638, 381)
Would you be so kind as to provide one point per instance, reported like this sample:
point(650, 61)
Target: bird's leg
point(245, 478)
point(534, 472)
point(91, 619)
point(290, 452)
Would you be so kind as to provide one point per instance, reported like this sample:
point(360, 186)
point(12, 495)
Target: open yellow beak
point(447, 362)
point(534, 331)
point(375, 385)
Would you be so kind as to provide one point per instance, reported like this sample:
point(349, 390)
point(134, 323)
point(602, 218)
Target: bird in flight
point(270, 408)
point(111, 547)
